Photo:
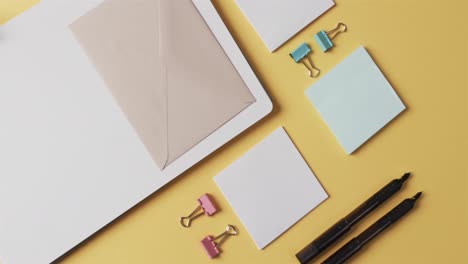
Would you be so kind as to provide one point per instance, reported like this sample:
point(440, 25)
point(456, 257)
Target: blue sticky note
point(355, 100)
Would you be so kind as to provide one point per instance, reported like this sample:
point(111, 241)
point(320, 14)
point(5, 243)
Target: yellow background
point(422, 48)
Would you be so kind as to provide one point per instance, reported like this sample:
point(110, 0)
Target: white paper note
point(270, 188)
point(276, 21)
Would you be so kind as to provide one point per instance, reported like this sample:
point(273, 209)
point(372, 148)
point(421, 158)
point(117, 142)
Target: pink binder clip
point(206, 204)
point(212, 247)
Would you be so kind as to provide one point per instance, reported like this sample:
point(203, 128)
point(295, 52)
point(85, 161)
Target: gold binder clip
point(302, 52)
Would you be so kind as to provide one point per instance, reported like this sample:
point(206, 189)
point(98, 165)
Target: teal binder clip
point(302, 52)
point(324, 38)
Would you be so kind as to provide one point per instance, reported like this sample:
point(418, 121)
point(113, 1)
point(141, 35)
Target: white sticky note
point(270, 188)
point(355, 100)
point(276, 21)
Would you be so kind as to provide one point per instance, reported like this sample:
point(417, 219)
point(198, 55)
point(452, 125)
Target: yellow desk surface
point(422, 48)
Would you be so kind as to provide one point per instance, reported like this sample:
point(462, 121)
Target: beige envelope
point(166, 70)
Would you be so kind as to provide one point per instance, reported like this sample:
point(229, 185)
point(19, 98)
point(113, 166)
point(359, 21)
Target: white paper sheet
point(276, 21)
point(270, 188)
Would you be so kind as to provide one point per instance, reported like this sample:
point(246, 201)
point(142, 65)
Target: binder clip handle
point(340, 28)
point(230, 231)
point(206, 206)
point(312, 68)
point(186, 221)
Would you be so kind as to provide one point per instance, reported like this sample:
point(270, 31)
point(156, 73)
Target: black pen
point(355, 244)
point(335, 232)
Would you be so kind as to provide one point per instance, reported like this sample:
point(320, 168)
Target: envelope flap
point(204, 89)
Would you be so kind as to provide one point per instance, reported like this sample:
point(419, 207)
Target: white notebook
point(71, 162)
point(270, 188)
point(276, 21)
